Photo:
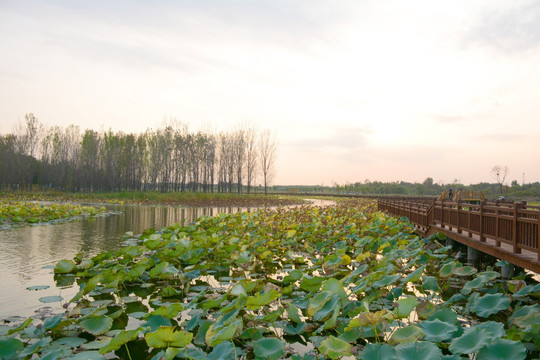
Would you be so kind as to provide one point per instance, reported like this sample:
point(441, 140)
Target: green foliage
point(243, 285)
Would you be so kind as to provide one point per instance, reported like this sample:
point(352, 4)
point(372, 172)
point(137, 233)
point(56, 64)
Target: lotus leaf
point(335, 348)
point(170, 311)
point(216, 335)
point(418, 351)
point(490, 304)
point(10, 347)
point(37, 287)
point(472, 340)
point(378, 351)
point(87, 355)
point(437, 330)
point(165, 336)
point(311, 284)
point(415, 275)
point(406, 334)
point(405, 307)
point(259, 300)
point(50, 299)
point(430, 283)
point(122, 338)
point(464, 271)
point(65, 267)
point(318, 301)
point(268, 348)
point(502, 349)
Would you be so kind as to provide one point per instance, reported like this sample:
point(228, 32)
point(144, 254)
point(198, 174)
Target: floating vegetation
point(300, 283)
point(17, 213)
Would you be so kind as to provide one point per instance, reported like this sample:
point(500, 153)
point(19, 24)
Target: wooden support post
point(482, 237)
point(538, 235)
point(515, 227)
point(497, 240)
point(458, 207)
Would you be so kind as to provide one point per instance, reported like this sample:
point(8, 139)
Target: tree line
point(171, 158)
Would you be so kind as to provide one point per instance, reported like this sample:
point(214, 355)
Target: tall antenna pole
point(523, 180)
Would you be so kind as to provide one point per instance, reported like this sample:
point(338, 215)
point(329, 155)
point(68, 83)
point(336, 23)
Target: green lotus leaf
point(292, 313)
point(327, 309)
point(311, 284)
point(524, 315)
point(445, 314)
point(465, 271)
point(216, 335)
point(317, 302)
point(386, 281)
point(334, 286)
point(50, 299)
point(71, 342)
point(335, 348)
point(502, 349)
point(165, 336)
point(430, 283)
point(223, 351)
point(97, 325)
point(259, 300)
point(490, 304)
point(154, 322)
point(496, 329)
point(472, 340)
point(378, 351)
point(120, 339)
point(472, 284)
point(406, 334)
point(293, 276)
point(239, 290)
point(425, 309)
point(405, 307)
point(437, 330)
point(38, 287)
point(87, 355)
point(52, 322)
point(170, 311)
point(22, 326)
point(269, 348)
point(10, 347)
point(415, 275)
point(448, 268)
point(65, 267)
point(418, 350)
point(295, 330)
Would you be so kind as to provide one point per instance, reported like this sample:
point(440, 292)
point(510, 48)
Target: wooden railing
point(515, 224)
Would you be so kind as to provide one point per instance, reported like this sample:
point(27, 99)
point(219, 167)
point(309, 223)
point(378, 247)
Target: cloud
point(510, 30)
point(341, 139)
point(448, 119)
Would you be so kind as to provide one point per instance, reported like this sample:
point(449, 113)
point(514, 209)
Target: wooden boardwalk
point(508, 231)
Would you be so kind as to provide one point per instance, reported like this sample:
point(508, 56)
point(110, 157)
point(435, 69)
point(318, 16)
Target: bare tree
point(499, 173)
point(251, 156)
point(267, 156)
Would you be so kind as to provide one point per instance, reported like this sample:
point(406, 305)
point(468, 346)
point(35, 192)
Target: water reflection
point(25, 251)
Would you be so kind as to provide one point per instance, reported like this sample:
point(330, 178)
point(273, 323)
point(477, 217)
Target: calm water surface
point(25, 251)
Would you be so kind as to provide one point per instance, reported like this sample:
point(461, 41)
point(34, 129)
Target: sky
point(356, 90)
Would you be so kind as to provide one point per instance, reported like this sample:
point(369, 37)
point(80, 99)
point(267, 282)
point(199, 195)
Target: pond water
point(25, 251)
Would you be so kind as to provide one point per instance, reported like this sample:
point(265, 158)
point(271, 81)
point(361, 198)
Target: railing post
point(538, 235)
point(497, 240)
point(515, 237)
point(481, 233)
point(457, 220)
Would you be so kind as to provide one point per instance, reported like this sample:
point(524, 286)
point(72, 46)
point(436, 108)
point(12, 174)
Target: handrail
point(515, 224)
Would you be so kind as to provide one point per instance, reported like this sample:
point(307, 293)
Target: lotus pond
point(300, 283)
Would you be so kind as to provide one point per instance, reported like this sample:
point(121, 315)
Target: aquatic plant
point(299, 283)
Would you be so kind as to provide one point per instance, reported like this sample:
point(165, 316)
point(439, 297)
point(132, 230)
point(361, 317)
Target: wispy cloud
point(512, 27)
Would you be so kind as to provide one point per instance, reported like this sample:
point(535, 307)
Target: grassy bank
point(152, 197)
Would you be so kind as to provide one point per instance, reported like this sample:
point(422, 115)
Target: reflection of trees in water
point(24, 251)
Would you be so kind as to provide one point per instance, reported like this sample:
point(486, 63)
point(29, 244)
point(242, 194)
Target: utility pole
point(523, 180)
